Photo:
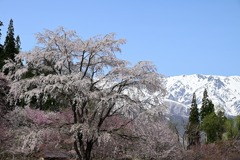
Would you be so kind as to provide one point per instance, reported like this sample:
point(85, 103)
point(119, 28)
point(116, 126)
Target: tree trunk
point(83, 153)
point(89, 150)
point(77, 150)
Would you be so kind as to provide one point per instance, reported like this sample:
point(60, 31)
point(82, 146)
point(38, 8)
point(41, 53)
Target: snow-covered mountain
point(223, 91)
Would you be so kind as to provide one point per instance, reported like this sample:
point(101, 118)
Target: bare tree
point(87, 76)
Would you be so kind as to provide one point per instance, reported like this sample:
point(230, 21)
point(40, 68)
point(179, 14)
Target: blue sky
point(178, 36)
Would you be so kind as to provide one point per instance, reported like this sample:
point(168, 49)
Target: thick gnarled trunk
point(83, 150)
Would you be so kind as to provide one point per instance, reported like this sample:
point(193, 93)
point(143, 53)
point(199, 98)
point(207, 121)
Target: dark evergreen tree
point(194, 114)
point(193, 132)
point(2, 57)
point(11, 45)
point(222, 119)
point(207, 106)
point(211, 123)
point(1, 24)
point(210, 107)
point(18, 44)
point(1, 49)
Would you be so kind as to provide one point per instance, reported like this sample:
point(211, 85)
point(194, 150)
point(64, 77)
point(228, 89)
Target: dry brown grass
point(222, 150)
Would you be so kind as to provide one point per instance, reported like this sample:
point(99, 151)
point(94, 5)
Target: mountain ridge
point(224, 91)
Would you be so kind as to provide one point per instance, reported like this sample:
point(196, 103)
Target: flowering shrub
point(147, 137)
point(34, 131)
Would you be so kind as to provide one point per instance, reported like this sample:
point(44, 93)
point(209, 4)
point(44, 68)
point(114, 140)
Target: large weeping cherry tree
point(87, 76)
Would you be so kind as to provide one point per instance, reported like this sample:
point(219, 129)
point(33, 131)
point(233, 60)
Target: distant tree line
point(207, 126)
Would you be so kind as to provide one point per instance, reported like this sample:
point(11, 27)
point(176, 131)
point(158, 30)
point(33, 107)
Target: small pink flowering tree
point(87, 76)
point(33, 131)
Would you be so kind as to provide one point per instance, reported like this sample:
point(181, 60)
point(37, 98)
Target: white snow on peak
point(223, 91)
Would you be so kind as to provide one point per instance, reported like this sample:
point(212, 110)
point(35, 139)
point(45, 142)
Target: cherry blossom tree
point(147, 137)
point(86, 76)
point(4, 87)
point(3, 92)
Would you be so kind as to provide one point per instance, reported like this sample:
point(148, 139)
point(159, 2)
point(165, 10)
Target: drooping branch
point(86, 76)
